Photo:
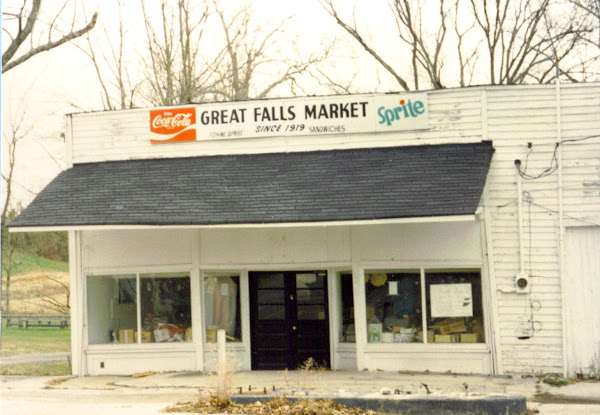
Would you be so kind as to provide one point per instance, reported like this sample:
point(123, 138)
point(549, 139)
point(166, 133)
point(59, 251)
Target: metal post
point(221, 353)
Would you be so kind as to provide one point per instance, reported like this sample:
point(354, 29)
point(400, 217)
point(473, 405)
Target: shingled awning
point(277, 188)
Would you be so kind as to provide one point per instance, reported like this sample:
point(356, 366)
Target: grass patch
point(34, 340)
point(37, 369)
point(30, 263)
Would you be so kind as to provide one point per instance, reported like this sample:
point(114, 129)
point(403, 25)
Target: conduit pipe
point(520, 210)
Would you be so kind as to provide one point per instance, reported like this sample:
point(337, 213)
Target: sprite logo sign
point(406, 109)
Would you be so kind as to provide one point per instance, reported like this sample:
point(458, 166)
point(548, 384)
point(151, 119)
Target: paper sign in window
point(451, 300)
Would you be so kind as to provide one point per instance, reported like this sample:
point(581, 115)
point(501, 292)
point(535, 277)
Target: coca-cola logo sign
point(173, 125)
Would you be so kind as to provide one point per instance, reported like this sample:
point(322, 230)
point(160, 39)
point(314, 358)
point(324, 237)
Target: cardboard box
point(146, 336)
point(211, 335)
point(430, 336)
point(404, 337)
point(161, 335)
point(469, 338)
point(126, 336)
point(446, 338)
point(451, 326)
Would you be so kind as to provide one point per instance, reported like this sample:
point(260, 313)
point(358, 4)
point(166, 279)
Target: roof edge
point(362, 222)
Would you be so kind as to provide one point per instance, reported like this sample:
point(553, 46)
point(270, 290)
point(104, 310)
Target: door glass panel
point(309, 281)
point(311, 296)
point(270, 281)
point(311, 312)
point(271, 312)
point(271, 297)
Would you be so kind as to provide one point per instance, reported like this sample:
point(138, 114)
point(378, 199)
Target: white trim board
point(423, 219)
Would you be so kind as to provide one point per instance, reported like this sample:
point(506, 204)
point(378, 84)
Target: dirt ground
point(29, 292)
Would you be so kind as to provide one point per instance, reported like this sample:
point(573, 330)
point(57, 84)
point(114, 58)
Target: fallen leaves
point(280, 406)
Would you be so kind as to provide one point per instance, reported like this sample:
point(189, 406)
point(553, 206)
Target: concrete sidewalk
point(396, 392)
point(415, 389)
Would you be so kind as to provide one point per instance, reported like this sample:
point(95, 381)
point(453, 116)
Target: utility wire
point(553, 161)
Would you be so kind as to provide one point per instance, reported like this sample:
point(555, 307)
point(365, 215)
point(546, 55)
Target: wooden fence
point(25, 321)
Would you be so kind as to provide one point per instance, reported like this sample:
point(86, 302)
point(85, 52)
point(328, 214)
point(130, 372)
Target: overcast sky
point(47, 86)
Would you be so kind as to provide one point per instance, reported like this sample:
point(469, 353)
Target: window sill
point(134, 347)
point(427, 348)
point(346, 347)
point(230, 347)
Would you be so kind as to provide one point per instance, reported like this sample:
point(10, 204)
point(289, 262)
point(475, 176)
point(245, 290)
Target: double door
point(289, 319)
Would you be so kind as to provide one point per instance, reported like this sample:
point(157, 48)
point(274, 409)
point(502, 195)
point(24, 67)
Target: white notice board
point(451, 300)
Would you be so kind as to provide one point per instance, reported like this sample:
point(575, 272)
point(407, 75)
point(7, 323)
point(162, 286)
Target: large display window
point(453, 311)
point(139, 308)
point(454, 306)
point(346, 308)
point(222, 307)
point(393, 306)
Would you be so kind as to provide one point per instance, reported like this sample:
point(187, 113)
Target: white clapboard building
point(454, 229)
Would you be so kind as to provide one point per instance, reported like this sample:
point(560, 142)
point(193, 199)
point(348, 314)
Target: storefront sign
point(294, 117)
point(451, 300)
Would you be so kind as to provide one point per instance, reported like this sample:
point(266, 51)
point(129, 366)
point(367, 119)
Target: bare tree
point(15, 130)
point(119, 90)
point(522, 41)
point(590, 7)
point(54, 302)
point(250, 50)
point(353, 31)
point(175, 69)
point(22, 21)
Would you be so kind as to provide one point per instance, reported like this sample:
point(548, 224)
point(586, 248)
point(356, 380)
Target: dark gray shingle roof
point(337, 185)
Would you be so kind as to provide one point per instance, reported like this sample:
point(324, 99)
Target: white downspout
point(561, 225)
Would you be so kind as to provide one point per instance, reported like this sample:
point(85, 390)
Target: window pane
point(347, 329)
point(454, 307)
point(393, 307)
point(222, 307)
point(165, 308)
point(112, 314)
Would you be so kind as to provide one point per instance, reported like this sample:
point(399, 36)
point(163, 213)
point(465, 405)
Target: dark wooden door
point(289, 319)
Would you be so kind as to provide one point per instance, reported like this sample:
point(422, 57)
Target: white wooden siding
point(517, 116)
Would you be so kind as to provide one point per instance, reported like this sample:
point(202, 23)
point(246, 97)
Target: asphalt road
point(35, 358)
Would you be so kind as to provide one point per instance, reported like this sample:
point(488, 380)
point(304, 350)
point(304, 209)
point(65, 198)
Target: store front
point(339, 297)
point(385, 235)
